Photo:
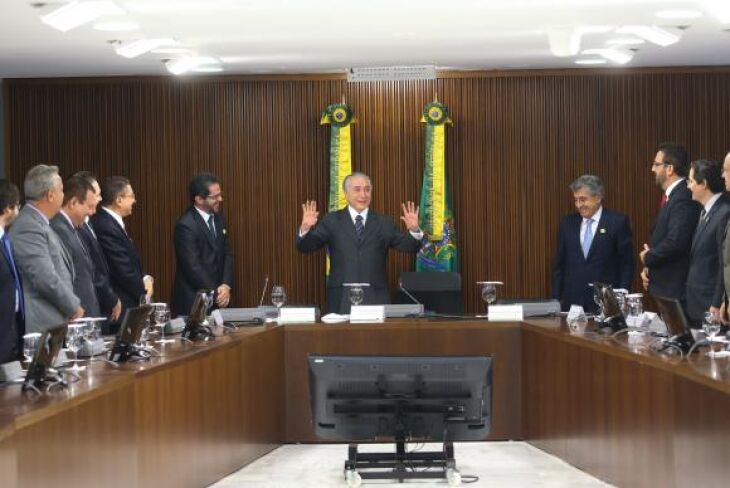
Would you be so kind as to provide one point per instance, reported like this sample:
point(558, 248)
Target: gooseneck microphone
point(408, 294)
point(263, 292)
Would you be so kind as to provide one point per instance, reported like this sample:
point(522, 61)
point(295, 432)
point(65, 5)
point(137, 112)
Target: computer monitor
point(613, 318)
point(41, 367)
point(196, 323)
point(439, 292)
point(357, 398)
point(135, 319)
point(672, 313)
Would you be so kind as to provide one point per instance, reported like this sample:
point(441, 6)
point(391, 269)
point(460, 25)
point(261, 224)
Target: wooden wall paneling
point(518, 140)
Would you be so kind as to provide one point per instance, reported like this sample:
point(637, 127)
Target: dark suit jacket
point(83, 282)
point(353, 261)
point(11, 324)
point(610, 259)
point(203, 261)
point(670, 243)
point(704, 280)
point(104, 291)
point(125, 269)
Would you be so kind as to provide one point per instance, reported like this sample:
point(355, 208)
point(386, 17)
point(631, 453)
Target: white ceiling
point(315, 36)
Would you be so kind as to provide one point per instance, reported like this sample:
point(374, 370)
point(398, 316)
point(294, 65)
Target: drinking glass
point(711, 326)
point(278, 297)
point(30, 345)
point(356, 294)
point(161, 316)
point(489, 291)
point(74, 341)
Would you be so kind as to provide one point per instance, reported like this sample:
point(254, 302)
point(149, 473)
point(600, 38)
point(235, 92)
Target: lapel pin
point(602, 231)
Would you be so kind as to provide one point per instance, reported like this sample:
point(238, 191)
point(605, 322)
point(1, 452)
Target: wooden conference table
point(203, 411)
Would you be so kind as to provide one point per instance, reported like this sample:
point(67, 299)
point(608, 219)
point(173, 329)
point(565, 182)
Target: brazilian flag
point(438, 251)
point(339, 116)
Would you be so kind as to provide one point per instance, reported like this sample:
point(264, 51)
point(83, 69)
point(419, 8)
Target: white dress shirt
point(671, 187)
point(206, 216)
point(116, 217)
point(595, 218)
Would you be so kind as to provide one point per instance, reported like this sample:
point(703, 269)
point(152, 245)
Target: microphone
point(408, 294)
point(263, 292)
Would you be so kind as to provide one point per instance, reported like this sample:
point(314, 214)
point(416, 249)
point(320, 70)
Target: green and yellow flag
point(438, 252)
point(340, 117)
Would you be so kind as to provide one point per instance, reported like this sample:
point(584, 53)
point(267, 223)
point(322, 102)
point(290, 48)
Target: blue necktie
point(359, 228)
point(8, 250)
point(587, 238)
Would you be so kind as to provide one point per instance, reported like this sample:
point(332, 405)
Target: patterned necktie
point(587, 238)
point(8, 251)
point(359, 227)
point(663, 200)
point(703, 216)
point(210, 225)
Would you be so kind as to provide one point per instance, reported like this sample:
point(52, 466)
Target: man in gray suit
point(704, 288)
point(67, 223)
point(358, 240)
point(45, 266)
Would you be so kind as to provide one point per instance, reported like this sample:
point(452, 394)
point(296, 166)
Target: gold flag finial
point(343, 99)
point(435, 97)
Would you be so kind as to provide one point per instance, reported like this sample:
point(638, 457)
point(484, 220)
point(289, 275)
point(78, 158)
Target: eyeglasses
point(217, 196)
point(654, 164)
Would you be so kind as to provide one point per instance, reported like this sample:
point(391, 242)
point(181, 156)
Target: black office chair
point(438, 292)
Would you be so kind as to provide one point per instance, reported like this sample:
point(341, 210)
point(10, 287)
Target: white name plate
point(295, 315)
point(367, 314)
point(505, 313)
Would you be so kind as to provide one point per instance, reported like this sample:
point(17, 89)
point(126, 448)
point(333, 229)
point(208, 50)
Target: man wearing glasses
point(204, 257)
point(666, 257)
point(125, 267)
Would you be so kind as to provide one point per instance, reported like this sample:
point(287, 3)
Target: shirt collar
point(68, 219)
point(671, 187)
point(116, 217)
point(596, 216)
point(203, 214)
point(2, 231)
point(354, 213)
point(45, 219)
point(714, 198)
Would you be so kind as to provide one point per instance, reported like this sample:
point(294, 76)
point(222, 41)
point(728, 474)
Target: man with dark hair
point(109, 303)
point(76, 193)
point(45, 265)
point(12, 324)
point(358, 240)
point(704, 287)
point(594, 245)
point(666, 257)
point(204, 257)
point(125, 267)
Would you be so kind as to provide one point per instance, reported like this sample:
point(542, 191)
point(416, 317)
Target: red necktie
point(663, 200)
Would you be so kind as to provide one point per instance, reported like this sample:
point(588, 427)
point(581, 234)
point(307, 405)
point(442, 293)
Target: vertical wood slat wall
point(518, 140)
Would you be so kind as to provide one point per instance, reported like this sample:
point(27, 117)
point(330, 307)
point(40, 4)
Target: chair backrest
point(439, 292)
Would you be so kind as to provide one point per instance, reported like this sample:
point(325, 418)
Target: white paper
point(335, 318)
point(505, 313)
point(296, 315)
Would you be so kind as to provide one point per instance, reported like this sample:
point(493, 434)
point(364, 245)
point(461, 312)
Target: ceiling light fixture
point(180, 66)
point(564, 41)
point(171, 50)
point(678, 14)
point(590, 61)
point(208, 69)
point(614, 54)
point(116, 26)
point(80, 12)
point(135, 48)
point(657, 35)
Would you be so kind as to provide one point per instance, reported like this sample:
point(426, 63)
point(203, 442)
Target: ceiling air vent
point(391, 73)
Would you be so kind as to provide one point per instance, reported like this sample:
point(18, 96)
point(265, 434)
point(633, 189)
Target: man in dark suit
point(109, 302)
point(358, 240)
point(666, 257)
point(76, 192)
point(204, 257)
point(704, 289)
point(594, 245)
point(12, 325)
point(125, 267)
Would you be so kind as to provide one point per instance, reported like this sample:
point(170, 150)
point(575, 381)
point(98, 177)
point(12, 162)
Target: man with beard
point(666, 257)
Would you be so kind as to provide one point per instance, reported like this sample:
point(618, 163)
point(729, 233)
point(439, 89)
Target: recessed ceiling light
point(657, 35)
point(564, 41)
point(590, 61)
point(208, 69)
point(80, 12)
point(188, 63)
point(625, 41)
point(678, 14)
point(116, 26)
point(135, 48)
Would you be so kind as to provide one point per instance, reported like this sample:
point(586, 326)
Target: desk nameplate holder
point(367, 314)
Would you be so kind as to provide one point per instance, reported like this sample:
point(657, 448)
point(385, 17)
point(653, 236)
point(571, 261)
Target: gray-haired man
point(45, 266)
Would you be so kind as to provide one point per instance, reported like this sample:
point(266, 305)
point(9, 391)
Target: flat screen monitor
point(199, 309)
point(45, 356)
point(672, 313)
point(607, 297)
point(359, 398)
point(135, 319)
